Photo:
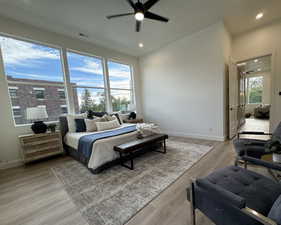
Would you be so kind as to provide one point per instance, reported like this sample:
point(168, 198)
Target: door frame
point(274, 83)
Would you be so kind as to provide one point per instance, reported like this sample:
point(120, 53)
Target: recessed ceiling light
point(141, 45)
point(256, 60)
point(259, 69)
point(259, 16)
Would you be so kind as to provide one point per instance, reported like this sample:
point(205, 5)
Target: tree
point(120, 104)
point(87, 101)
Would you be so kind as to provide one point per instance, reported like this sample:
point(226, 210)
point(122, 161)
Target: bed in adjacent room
point(95, 149)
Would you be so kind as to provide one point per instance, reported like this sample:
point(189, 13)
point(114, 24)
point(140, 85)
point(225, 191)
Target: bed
point(101, 155)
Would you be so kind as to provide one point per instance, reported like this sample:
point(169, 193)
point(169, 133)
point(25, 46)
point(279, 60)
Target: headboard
point(63, 126)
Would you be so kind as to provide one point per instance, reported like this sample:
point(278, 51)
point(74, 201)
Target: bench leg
point(122, 161)
point(163, 147)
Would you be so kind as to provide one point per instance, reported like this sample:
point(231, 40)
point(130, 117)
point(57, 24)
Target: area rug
point(117, 194)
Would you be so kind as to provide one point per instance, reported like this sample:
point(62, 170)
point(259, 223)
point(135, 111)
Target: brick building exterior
point(25, 93)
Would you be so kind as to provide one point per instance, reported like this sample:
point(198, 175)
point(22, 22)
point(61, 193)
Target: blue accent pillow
point(80, 125)
point(275, 212)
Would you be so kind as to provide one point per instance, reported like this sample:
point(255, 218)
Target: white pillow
point(91, 124)
point(123, 117)
point(71, 120)
point(107, 125)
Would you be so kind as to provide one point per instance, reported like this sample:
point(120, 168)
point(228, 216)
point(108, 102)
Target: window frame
point(132, 89)
point(84, 86)
point(24, 39)
point(248, 90)
point(66, 83)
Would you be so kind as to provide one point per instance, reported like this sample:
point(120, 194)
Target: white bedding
point(102, 151)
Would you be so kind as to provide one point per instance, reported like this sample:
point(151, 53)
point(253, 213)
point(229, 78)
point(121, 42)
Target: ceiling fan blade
point(154, 16)
point(132, 4)
point(149, 4)
point(119, 15)
point(138, 26)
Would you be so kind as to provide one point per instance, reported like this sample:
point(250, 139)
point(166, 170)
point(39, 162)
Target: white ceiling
point(70, 17)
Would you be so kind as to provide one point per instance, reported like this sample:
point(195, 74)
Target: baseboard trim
point(11, 164)
point(197, 136)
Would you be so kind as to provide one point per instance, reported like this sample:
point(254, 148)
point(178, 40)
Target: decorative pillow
point(80, 125)
point(71, 120)
point(274, 213)
point(118, 118)
point(107, 125)
point(124, 117)
point(91, 124)
point(109, 117)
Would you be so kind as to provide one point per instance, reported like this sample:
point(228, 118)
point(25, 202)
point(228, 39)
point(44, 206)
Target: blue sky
point(31, 61)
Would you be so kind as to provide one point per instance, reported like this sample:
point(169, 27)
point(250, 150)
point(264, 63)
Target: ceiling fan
point(141, 11)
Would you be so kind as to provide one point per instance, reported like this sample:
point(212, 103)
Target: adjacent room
point(140, 112)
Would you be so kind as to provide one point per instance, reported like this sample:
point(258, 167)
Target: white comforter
point(102, 149)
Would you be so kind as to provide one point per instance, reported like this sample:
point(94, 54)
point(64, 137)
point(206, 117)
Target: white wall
point(259, 42)
point(9, 144)
point(183, 84)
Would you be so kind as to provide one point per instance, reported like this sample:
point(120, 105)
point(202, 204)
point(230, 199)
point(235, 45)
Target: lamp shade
point(36, 113)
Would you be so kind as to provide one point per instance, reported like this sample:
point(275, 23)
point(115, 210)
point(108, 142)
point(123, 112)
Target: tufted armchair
point(236, 196)
point(254, 147)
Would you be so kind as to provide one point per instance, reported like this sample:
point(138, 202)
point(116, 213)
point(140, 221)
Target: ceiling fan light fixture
point(139, 16)
point(259, 16)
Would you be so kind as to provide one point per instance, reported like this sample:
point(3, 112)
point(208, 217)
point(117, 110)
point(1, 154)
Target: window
point(87, 80)
point(254, 87)
point(36, 71)
point(17, 111)
point(13, 91)
point(39, 93)
point(61, 93)
point(63, 109)
point(121, 88)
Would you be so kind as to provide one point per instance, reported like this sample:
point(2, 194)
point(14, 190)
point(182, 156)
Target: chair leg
point(192, 208)
point(245, 164)
point(236, 161)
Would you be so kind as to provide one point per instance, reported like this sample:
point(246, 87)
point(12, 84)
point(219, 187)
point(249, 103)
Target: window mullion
point(68, 87)
point(107, 86)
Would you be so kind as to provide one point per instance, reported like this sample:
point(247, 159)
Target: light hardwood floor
point(32, 195)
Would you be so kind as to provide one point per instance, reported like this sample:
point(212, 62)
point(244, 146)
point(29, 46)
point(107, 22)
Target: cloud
point(22, 53)
point(90, 66)
point(124, 73)
point(37, 76)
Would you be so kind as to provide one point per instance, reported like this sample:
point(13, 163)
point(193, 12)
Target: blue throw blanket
point(85, 145)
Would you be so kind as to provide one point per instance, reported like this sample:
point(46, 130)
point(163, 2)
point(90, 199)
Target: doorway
point(251, 87)
point(257, 77)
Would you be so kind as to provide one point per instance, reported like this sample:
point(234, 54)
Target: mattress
point(102, 151)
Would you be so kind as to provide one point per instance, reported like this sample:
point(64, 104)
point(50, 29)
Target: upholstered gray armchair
point(236, 196)
point(254, 147)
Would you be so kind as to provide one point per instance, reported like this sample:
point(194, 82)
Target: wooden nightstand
point(134, 121)
point(39, 146)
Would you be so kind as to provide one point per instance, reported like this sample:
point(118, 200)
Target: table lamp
point(36, 115)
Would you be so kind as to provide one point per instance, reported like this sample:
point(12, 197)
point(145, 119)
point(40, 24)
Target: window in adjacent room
point(34, 74)
point(87, 80)
point(121, 86)
point(254, 87)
